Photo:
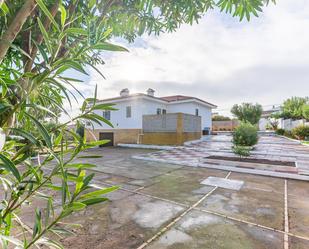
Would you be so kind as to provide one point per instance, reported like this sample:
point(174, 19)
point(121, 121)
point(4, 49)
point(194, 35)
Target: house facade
point(131, 108)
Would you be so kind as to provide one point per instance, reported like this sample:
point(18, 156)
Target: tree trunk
point(15, 27)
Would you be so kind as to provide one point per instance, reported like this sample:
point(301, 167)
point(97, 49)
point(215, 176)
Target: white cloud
point(220, 59)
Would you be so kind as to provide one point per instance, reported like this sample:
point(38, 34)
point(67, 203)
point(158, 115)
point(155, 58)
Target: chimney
point(124, 92)
point(150, 92)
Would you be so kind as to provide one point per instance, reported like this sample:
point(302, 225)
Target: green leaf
point(97, 143)
point(9, 166)
point(77, 206)
point(80, 165)
point(97, 118)
point(109, 47)
point(42, 130)
point(63, 15)
point(4, 107)
point(93, 201)
point(76, 31)
point(47, 13)
point(45, 35)
point(4, 8)
point(77, 66)
point(91, 156)
point(104, 107)
point(58, 139)
point(26, 135)
point(36, 106)
point(99, 192)
point(38, 223)
point(79, 181)
point(41, 50)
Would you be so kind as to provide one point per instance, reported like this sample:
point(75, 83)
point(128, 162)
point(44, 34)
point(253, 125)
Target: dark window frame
point(128, 112)
point(107, 114)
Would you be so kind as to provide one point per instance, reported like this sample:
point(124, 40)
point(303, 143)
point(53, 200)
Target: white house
point(128, 119)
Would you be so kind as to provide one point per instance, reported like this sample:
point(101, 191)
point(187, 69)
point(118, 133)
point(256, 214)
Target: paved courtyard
point(172, 206)
point(274, 149)
point(166, 206)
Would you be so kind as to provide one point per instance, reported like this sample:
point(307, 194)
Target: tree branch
point(39, 39)
point(15, 27)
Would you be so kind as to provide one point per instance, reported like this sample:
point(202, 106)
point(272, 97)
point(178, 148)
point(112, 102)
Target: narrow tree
point(293, 107)
point(248, 112)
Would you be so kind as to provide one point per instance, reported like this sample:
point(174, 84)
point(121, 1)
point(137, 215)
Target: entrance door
point(107, 136)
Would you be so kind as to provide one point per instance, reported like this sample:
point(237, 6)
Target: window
point(107, 115)
point(163, 111)
point(158, 111)
point(128, 112)
point(196, 112)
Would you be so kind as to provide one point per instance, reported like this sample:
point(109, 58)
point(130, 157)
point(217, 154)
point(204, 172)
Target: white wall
point(189, 108)
point(139, 107)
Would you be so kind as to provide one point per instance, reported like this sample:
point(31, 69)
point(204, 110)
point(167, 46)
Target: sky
point(220, 59)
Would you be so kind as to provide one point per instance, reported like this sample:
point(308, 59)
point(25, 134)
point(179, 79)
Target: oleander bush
point(301, 132)
point(241, 151)
point(245, 135)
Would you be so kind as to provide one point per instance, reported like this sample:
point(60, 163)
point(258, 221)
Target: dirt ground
point(165, 206)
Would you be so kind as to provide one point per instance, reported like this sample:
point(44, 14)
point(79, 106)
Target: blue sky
point(221, 60)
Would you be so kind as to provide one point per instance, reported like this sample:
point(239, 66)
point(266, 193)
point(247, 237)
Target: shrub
point(288, 134)
point(306, 111)
point(245, 135)
point(242, 151)
point(248, 112)
point(280, 132)
point(301, 132)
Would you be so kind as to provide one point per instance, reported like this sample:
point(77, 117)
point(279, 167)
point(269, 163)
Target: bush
point(306, 111)
point(288, 134)
point(301, 132)
point(280, 132)
point(242, 151)
point(245, 135)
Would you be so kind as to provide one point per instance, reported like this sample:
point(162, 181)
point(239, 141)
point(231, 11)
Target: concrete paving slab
point(123, 224)
point(260, 183)
point(298, 188)
point(199, 230)
point(259, 207)
point(297, 243)
point(223, 183)
point(299, 215)
point(182, 185)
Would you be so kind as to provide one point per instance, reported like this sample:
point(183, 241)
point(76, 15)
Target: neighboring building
point(266, 118)
point(128, 119)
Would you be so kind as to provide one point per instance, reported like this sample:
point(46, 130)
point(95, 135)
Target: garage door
point(107, 136)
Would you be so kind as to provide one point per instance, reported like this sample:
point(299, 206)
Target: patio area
point(272, 156)
point(171, 206)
